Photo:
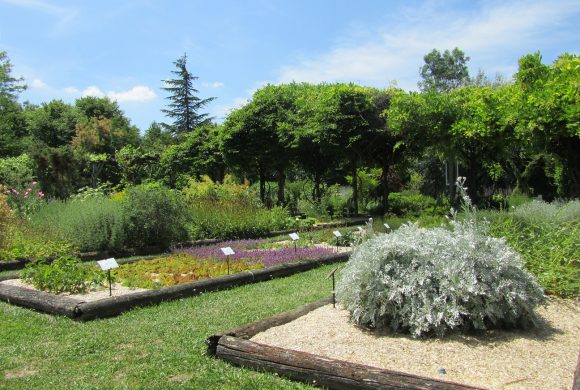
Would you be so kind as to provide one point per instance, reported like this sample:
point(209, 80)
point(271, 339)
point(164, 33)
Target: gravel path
point(541, 359)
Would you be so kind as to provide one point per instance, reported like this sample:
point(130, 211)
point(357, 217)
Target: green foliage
point(176, 269)
point(16, 172)
point(53, 123)
point(184, 105)
point(26, 243)
point(443, 72)
point(89, 224)
point(65, 274)
point(154, 215)
point(546, 235)
point(6, 217)
point(413, 204)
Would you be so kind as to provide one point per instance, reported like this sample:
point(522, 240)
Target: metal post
point(110, 284)
point(228, 260)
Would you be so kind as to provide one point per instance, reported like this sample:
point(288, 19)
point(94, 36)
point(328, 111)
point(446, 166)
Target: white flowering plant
point(431, 281)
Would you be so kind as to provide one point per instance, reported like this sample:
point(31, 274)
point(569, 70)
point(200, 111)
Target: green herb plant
point(65, 274)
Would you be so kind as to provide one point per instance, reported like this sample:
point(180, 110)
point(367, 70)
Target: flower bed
point(199, 263)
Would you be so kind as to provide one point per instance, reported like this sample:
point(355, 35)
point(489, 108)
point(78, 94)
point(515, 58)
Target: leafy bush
point(65, 274)
point(92, 224)
point(26, 242)
point(230, 211)
point(5, 221)
point(413, 204)
point(546, 235)
point(154, 215)
point(430, 281)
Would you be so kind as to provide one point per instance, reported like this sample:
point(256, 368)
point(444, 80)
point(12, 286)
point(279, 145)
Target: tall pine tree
point(184, 105)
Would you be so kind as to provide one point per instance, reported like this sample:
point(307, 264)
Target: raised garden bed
point(245, 346)
point(80, 309)
point(10, 265)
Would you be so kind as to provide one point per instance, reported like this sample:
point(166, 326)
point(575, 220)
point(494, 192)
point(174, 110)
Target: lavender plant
point(431, 281)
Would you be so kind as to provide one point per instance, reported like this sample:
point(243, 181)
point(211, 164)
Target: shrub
point(412, 204)
point(154, 215)
point(5, 221)
point(92, 224)
point(546, 235)
point(65, 274)
point(430, 281)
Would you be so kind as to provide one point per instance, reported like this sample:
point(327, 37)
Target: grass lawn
point(158, 347)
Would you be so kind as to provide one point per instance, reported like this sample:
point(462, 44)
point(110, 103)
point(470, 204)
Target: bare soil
point(543, 358)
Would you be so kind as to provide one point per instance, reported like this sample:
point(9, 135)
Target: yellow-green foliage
point(6, 217)
point(176, 269)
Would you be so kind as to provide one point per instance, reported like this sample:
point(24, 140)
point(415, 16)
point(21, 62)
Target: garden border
point(109, 307)
point(235, 347)
point(11, 265)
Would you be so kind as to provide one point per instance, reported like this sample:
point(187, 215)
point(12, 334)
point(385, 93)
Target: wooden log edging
point(235, 347)
point(85, 311)
point(321, 371)
point(11, 265)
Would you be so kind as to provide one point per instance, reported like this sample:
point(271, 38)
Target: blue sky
point(124, 49)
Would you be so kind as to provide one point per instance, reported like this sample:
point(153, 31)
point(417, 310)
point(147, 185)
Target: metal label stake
point(228, 251)
point(108, 265)
point(331, 274)
point(295, 238)
point(337, 235)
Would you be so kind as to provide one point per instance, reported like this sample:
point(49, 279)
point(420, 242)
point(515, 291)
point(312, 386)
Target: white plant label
point(360, 229)
point(228, 251)
point(337, 233)
point(294, 236)
point(108, 264)
point(387, 226)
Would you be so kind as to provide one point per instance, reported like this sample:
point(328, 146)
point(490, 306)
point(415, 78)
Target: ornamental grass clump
point(431, 281)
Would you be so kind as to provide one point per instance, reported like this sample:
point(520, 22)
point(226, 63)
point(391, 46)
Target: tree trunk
point(354, 185)
point(262, 178)
point(385, 187)
point(317, 192)
point(281, 176)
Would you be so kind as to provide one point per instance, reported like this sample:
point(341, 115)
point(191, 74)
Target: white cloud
point(71, 90)
point(37, 83)
point(214, 85)
point(139, 93)
point(92, 91)
point(397, 50)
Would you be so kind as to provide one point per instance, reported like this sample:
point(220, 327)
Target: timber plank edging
point(235, 347)
point(322, 371)
point(108, 307)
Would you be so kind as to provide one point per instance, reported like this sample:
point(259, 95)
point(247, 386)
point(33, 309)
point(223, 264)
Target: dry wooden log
point(39, 300)
point(249, 330)
point(321, 371)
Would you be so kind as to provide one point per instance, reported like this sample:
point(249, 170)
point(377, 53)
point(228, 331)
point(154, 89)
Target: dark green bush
point(413, 204)
point(154, 215)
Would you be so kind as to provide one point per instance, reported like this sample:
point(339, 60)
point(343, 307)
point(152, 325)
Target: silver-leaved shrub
point(431, 281)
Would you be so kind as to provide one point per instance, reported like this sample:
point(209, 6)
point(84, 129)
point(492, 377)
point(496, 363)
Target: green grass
point(158, 347)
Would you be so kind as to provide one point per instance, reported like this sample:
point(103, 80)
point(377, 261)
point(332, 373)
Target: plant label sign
point(294, 236)
point(337, 233)
point(360, 229)
point(228, 251)
point(387, 226)
point(108, 264)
